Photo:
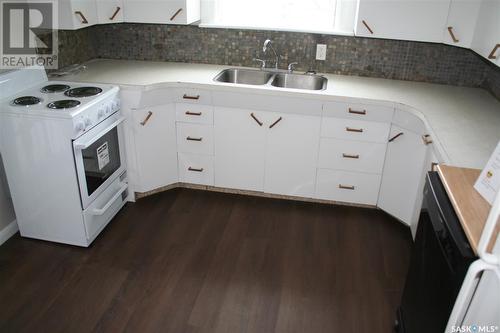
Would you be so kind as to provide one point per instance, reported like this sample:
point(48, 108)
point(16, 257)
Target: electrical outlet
point(321, 52)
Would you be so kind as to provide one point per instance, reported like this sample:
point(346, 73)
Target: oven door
point(99, 157)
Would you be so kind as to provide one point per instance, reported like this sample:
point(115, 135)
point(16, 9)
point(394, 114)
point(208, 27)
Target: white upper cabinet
point(76, 14)
point(162, 11)
point(462, 18)
point(292, 152)
point(420, 20)
point(109, 11)
point(486, 40)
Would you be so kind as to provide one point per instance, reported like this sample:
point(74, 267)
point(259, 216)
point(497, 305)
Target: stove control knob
point(100, 113)
point(109, 109)
point(79, 126)
point(88, 122)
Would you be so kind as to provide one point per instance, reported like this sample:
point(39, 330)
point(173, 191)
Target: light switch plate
point(321, 52)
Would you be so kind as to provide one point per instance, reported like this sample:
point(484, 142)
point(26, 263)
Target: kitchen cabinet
point(291, 154)
point(109, 11)
point(403, 172)
point(486, 40)
point(155, 146)
point(76, 14)
point(240, 148)
point(162, 11)
point(402, 19)
point(462, 18)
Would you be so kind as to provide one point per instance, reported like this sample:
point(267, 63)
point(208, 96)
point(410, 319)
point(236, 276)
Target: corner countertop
point(465, 121)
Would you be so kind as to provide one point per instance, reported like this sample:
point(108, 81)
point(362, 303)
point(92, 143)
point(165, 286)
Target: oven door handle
point(101, 211)
point(82, 146)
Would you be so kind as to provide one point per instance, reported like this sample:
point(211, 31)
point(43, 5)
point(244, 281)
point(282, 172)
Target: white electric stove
point(62, 146)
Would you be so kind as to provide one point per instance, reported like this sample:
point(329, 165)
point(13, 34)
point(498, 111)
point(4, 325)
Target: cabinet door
point(109, 11)
point(76, 14)
point(162, 11)
point(291, 154)
point(462, 17)
point(403, 175)
point(155, 144)
point(487, 35)
point(240, 146)
point(402, 19)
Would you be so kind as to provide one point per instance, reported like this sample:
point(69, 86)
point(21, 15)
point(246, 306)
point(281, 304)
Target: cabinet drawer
point(345, 186)
point(195, 138)
point(194, 113)
point(350, 129)
point(358, 111)
point(192, 96)
point(196, 169)
point(352, 155)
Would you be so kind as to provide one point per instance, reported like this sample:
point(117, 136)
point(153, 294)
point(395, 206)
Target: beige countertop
point(464, 121)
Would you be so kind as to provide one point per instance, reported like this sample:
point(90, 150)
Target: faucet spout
point(268, 44)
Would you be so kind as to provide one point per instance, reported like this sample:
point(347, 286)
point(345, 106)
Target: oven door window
point(101, 160)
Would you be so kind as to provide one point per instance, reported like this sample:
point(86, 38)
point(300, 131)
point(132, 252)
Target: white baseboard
point(8, 231)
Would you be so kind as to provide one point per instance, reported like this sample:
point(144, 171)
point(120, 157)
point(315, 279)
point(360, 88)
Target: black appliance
point(439, 261)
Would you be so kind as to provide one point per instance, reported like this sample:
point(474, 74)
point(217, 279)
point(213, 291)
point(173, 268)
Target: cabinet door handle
point(197, 97)
point(256, 120)
point(350, 156)
point(84, 19)
point(367, 26)
point(176, 13)
point(362, 112)
point(396, 136)
point(357, 130)
point(145, 121)
point(492, 54)
point(427, 139)
point(191, 113)
point(194, 139)
point(450, 31)
point(195, 169)
point(346, 187)
point(276, 122)
point(115, 13)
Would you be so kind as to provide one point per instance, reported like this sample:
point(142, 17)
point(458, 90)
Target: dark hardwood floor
point(193, 261)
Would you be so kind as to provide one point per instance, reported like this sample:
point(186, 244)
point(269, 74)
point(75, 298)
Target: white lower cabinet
point(196, 169)
point(155, 146)
point(402, 177)
point(240, 142)
point(291, 154)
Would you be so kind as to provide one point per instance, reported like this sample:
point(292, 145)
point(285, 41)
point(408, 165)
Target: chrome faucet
point(262, 62)
point(291, 66)
point(268, 44)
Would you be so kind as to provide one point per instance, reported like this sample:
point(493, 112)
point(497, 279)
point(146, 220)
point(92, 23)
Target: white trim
point(8, 231)
point(324, 32)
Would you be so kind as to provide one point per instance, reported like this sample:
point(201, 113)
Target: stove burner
point(53, 88)
point(63, 104)
point(83, 92)
point(27, 100)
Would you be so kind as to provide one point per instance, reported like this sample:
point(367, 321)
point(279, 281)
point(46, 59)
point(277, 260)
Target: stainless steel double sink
point(273, 78)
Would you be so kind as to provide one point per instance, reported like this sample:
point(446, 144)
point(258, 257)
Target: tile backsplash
point(383, 58)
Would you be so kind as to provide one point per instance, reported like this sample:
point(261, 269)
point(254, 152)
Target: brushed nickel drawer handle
point(346, 187)
point(256, 120)
point(427, 139)
point(145, 121)
point(396, 136)
point(84, 19)
point(197, 97)
point(367, 26)
point(450, 31)
point(176, 13)
point(194, 139)
point(357, 130)
point(195, 169)
point(492, 54)
point(362, 112)
point(115, 13)
point(350, 156)
point(276, 122)
point(190, 113)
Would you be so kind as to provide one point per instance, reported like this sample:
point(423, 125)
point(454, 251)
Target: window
point(294, 15)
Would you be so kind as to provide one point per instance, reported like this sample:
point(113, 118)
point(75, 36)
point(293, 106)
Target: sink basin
point(300, 81)
point(244, 76)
